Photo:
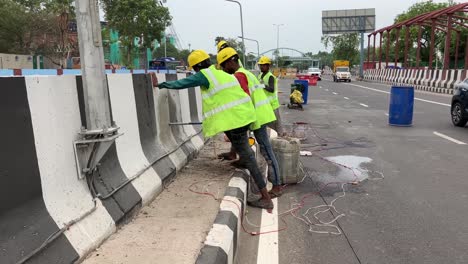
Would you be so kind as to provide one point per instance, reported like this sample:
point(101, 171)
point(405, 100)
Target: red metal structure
point(448, 20)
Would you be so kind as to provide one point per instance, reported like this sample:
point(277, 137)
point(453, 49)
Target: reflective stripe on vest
point(225, 105)
point(264, 110)
point(274, 95)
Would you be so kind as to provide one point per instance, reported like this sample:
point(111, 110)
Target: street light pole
point(258, 45)
point(242, 27)
point(277, 43)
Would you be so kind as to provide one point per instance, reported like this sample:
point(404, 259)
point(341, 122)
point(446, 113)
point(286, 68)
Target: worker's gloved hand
point(261, 81)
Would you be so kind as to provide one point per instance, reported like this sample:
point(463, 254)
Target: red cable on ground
point(292, 211)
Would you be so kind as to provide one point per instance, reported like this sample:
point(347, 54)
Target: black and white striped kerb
point(221, 243)
point(426, 80)
point(41, 195)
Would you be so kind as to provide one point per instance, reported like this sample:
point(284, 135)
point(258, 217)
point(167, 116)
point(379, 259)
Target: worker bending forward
point(228, 59)
point(226, 108)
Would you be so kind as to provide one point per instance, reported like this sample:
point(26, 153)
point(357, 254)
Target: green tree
point(146, 19)
point(344, 47)
point(37, 27)
point(171, 51)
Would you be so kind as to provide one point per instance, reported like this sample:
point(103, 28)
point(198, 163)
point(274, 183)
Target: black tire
point(459, 119)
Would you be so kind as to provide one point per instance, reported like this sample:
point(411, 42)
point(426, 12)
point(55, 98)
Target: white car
point(315, 72)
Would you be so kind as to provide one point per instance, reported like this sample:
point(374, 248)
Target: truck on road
point(341, 71)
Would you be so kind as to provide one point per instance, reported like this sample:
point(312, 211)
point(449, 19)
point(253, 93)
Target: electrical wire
point(298, 206)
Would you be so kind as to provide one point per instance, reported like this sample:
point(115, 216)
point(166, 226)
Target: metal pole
point(406, 46)
point(95, 90)
point(380, 51)
point(457, 46)
point(387, 48)
point(258, 45)
point(431, 51)
point(368, 48)
point(189, 45)
point(397, 46)
point(373, 53)
point(277, 43)
point(361, 62)
point(418, 51)
point(242, 27)
point(448, 41)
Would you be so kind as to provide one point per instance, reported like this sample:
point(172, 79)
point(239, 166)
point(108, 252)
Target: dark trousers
point(240, 142)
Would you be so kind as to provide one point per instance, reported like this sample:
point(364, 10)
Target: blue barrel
point(401, 106)
point(305, 93)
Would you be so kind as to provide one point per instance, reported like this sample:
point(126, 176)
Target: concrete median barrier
point(47, 213)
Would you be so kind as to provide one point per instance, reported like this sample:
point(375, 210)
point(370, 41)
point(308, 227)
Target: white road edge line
point(346, 98)
point(387, 114)
point(268, 251)
point(449, 138)
point(334, 93)
point(380, 91)
point(364, 105)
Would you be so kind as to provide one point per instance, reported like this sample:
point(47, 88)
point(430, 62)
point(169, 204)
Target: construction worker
point(222, 44)
point(228, 59)
point(231, 155)
point(271, 88)
point(226, 108)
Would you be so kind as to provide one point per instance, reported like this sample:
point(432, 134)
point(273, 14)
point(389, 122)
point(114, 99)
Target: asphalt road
point(416, 214)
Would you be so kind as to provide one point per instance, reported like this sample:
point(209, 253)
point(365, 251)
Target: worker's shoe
point(227, 156)
point(262, 203)
point(275, 193)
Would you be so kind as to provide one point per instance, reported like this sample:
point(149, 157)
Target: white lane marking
point(449, 138)
point(326, 90)
point(364, 105)
point(268, 243)
point(387, 114)
point(320, 87)
point(346, 98)
point(334, 93)
point(380, 91)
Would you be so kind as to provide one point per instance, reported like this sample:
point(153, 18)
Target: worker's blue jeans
point(240, 141)
point(263, 140)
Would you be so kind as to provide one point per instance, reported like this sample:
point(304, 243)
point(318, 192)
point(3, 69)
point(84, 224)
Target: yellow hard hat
point(225, 54)
point(196, 57)
point(220, 45)
point(264, 60)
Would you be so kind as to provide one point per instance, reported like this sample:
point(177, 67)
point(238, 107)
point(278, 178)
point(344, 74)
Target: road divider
point(49, 214)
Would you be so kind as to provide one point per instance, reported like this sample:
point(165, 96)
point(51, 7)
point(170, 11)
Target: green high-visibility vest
point(274, 95)
point(260, 100)
point(225, 105)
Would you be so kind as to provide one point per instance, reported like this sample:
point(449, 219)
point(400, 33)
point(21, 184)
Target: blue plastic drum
point(401, 106)
point(304, 83)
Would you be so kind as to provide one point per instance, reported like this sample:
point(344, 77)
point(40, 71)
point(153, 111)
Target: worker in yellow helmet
point(271, 88)
point(222, 44)
point(226, 108)
point(228, 59)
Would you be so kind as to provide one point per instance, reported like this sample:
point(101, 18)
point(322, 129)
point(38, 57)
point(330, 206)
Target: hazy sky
point(198, 22)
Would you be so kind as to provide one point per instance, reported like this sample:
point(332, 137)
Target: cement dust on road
point(174, 226)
